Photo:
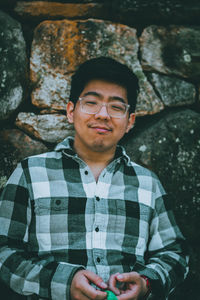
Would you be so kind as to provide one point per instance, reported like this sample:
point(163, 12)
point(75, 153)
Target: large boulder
point(13, 65)
point(171, 148)
point(59, 47)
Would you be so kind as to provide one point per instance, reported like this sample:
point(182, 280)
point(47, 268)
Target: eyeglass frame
point(127, 106)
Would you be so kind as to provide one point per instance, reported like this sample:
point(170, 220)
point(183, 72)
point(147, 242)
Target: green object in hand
point(111, 295)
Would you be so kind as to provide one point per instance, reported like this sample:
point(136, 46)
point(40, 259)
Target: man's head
point(107, 69)
point(102, 104)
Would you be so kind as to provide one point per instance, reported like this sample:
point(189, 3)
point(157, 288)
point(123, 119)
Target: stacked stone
point(43, 42)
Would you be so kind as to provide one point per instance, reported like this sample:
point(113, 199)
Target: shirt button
point(58, 202)
point(97, 198)
point(98, 259)
point(97, 229)
point(86, 172)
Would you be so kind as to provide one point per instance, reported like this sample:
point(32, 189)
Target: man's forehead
point(101, 89)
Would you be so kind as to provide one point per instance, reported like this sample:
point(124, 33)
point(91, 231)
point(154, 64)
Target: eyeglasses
point(92, 106)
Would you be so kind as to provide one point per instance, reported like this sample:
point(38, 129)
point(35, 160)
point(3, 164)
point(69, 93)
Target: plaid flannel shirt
point(56, 219)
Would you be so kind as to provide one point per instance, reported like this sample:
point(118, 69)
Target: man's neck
point(96, 160)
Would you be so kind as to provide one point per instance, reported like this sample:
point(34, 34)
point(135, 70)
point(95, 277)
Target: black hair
point(108, 69)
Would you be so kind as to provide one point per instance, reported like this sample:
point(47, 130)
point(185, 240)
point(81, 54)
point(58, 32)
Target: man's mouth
point(100, 128)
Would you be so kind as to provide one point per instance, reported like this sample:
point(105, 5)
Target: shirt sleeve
point(167, 252)
point(20, 269)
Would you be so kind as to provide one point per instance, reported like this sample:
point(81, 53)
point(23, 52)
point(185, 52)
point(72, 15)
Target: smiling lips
point(100, 128)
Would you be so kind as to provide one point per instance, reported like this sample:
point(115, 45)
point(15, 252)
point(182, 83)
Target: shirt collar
point(67, 147)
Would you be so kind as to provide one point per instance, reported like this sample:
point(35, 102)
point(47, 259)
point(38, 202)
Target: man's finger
point(128, 277)
point(89, 290)
point(97, 280)
point(113, 284)
point(81, 285)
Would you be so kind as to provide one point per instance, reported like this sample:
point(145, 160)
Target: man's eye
point(91, 102)
point(117, 107)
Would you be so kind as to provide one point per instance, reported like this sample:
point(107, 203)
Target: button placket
point(97, 242)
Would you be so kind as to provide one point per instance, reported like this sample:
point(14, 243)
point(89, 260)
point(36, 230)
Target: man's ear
point(131, 122)
point(70, 112)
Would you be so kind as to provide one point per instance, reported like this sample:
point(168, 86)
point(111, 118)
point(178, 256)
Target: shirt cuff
point(61, 280)
point(157, 287)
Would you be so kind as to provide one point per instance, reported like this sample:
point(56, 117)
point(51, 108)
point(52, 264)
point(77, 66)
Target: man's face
point(99, 132)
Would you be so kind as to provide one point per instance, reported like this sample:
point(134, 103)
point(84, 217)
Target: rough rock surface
point(157, 11)
point(171, 148)
point(13, 65)
point(51, 128)
point(60, 46)
point(171, 50)
point(173, 91)
point(44, 10)
point(14, 146)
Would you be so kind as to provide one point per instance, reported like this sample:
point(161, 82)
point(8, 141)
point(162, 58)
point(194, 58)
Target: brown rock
point(60, 46)
point(47, 10)
point(51, 128)
point(14, 146)
point(22, 142)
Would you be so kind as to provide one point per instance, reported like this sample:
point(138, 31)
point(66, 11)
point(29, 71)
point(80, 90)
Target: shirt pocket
point(45, 206)
point(51, 219)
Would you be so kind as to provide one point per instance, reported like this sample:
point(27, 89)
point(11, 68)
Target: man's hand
point(128, 286)
point(81, 288)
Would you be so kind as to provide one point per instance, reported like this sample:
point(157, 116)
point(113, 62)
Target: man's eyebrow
point(111, 98)
point(117, 98)
point(92, 93)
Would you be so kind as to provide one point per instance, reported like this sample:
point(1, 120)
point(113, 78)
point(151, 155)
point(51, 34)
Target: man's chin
point(100, 146)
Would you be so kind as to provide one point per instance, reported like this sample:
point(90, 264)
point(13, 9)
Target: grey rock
point(173, 50)
point(148, 102)
point(13, 65)
point(173, 91)
point(171, 148)
point(51, 128)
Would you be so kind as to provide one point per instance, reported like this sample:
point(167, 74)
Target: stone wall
point(41, 45)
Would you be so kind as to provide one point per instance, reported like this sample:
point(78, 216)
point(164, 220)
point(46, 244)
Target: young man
point(84, 219)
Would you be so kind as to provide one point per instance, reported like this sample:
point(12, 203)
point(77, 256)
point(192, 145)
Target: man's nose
point(103, 112)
